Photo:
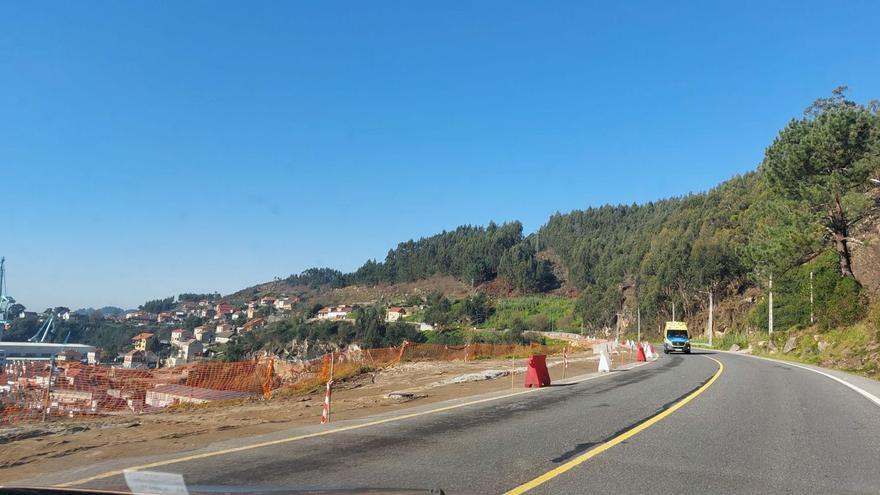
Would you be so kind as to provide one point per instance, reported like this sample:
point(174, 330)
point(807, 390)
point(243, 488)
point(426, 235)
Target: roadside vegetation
point(854, 348)
point(535, 313)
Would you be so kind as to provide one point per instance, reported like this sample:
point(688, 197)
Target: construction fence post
point(403, 347)
point(325, 411)
point(564, 361)
point(267, 383)
point(48, 388)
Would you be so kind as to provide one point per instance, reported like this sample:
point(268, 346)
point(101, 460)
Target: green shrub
point(846, 305)
point(873, 320)
point(448, 337)
point(538, 323)
point(838, 300)
point(518, 313)
point(727, 339)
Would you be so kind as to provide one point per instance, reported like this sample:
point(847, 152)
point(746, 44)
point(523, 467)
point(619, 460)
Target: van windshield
point(677, 333)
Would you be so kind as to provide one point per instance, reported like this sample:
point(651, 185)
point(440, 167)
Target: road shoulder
point(105, 469)
point(866, 387)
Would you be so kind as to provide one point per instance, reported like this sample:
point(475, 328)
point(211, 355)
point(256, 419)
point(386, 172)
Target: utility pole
point(638, 311)
point(711, 318)
point(770, 307)
point(673, 310)
point(617, 336)
point(639, 322)
point(811, 297)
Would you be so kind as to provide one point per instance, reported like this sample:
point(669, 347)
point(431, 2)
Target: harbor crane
point(46, 329)
point(6, 301)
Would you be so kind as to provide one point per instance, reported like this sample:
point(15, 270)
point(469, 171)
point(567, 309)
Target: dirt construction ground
point(31, 449)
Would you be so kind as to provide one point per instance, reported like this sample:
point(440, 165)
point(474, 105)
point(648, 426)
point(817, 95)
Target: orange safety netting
point(33, 390)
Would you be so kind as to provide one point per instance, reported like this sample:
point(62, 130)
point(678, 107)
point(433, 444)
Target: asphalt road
point(760, 427)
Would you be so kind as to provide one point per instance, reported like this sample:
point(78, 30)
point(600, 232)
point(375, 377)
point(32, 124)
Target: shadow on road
point(578, 449)
point(583, 447)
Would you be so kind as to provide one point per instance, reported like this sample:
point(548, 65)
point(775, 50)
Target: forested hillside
point(811, 189)
point(660, 253)
point(804, 199)
point(472, 254)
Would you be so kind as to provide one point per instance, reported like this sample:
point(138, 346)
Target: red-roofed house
point(165, 317)
point(254, 324)
point(224, 309)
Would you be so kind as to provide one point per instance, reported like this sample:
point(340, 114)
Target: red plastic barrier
point(537, 374)
point(641, 355)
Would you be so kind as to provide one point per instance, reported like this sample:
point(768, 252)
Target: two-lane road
point(759, 426)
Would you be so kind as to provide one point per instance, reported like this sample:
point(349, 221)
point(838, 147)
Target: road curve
point(761, 426)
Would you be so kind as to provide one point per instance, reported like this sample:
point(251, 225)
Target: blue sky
point(152, 148)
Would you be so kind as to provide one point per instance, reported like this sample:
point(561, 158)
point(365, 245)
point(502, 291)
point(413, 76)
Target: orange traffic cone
point(641, 355)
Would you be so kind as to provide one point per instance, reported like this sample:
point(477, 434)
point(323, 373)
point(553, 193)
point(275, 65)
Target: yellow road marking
point(119, 472)
point(616, 440)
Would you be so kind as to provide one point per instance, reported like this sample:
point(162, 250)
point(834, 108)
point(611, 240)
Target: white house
point(140, 359)
point(187, 352)
point(203, 334)
point(334, 312)
point(395, 313)
point(283, 304)
point(179, 336)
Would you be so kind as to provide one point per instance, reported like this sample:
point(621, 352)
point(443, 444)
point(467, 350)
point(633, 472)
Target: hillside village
point(174, 350)
point(220, 324)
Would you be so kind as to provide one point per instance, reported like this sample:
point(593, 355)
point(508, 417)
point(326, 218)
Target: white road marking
point(864, 393)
